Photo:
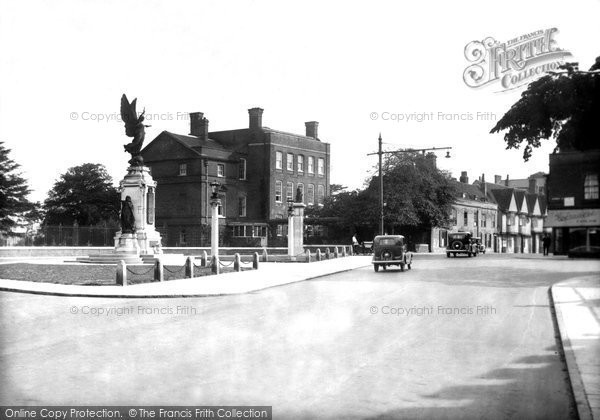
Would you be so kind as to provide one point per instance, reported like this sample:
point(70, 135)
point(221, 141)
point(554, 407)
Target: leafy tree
point(416, 194)
point(84, 194)
point(562, 105)
point(13, 193)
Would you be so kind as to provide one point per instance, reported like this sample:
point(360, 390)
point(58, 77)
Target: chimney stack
point(497, 179)
point(312, 129)
point(198, 125)
point(255, 117)
point(532, 186)
point(506, 180)
point(483, 185)
point(432, 159)
point(464, 178)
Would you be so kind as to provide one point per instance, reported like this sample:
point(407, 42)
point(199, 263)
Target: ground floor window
point(249, 231)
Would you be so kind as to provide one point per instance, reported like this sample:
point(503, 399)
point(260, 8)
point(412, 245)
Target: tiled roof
point(469, 191)
point(520, 199)
point(503, 197)
point(531, 198)
point(193, 141)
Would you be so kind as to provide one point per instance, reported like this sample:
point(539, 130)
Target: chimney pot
point(497, 179)
point(312, 129)
point(506, 180)
point(255, 117)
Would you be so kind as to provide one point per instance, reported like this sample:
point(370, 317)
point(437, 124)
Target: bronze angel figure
point(134, 127)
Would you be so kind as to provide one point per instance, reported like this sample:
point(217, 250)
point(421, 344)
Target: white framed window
point(310, 194)
point(300, 164)
point(281, 229)
point(242, 206)
point(259, 231)
point(320, 194)
point(301, 187)
point(278, 192)
point(220, 170)
point(278, 160)
point(221, 208)
point(242, 169)
point(290, 162)
point(289, 191)
point(465, 218)
point(590, 187)
point(182, 169)
point(321, 167)
point(453, 217)
point(311, 165)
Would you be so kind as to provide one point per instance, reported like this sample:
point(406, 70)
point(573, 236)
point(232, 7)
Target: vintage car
point(461, 243)
point(390, 250)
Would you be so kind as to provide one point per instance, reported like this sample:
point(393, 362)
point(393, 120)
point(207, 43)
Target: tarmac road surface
point(451, 338)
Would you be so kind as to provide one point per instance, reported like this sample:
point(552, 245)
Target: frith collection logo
point(513, 63)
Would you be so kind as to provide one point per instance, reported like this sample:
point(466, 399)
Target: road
point(452, 338)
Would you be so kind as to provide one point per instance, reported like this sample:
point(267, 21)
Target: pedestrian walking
point(546, 244)
point(354, 244)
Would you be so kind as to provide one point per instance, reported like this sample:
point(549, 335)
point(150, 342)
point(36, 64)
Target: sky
point(359, 68)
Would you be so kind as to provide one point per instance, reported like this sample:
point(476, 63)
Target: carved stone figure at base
point(127, 217)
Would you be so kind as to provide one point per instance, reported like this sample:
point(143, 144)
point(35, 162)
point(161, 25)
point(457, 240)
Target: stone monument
point(296, 225)
point(138, 239)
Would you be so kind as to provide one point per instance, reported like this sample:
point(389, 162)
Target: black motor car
point(390, 250)
point(461, 243)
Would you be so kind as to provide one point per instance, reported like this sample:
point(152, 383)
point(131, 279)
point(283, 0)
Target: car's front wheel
point(376, 267)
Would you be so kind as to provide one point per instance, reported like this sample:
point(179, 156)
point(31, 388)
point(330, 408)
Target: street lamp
point(381, 153)
point(215, 190)
point(215, 202)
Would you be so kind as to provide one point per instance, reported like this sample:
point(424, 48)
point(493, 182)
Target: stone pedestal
point(296, 230)
point(214, 227)
point(139, 185)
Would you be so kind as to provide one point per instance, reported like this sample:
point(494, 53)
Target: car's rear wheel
point(376, 267)
point(401, 266)
point(384, 267)
point(448, 254)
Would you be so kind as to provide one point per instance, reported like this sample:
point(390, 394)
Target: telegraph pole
point(380, 153)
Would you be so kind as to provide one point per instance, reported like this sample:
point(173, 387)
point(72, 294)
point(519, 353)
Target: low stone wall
point(70, 251)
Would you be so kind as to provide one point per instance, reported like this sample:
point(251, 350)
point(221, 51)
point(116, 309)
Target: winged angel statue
point(134, 127)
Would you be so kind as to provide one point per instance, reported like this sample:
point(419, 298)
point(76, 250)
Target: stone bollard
point(319, 257)
point(204, 259)
point(159, 271)
point(189, 267)
point(214, 265)
point(122, 273)
point(255, 261)
point(264, 255)
point(308, 256)
point(344, 251)
point(336, 253)
point(327, 253)
point(237, 262)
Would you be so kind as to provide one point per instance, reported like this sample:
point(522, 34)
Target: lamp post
point(215, 202)
point(380, 152)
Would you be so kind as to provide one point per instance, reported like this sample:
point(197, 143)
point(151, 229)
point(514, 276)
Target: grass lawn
point(92, 274)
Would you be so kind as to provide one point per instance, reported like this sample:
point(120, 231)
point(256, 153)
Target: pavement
point(576, 304)
point(269, 274)
point(577, 308)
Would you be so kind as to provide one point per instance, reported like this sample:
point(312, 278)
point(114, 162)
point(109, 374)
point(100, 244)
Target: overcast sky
point(64, 63)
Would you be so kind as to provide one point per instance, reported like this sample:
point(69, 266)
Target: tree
point(562, 105)
point(84, 194)
point(416, 194)
point(14, 204)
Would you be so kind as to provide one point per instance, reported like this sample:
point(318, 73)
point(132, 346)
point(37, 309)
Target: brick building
point(258, 169)
point(574, 201)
